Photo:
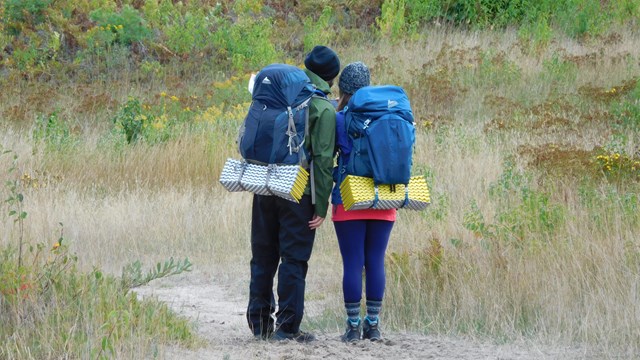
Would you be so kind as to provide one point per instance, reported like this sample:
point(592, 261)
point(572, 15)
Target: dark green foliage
point(27, 13)
point(244, 35)
point(127, 24)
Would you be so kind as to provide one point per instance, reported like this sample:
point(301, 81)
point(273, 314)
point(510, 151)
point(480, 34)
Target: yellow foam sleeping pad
point(361, 193)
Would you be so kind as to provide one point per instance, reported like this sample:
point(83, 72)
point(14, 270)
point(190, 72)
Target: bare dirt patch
point(219, 314)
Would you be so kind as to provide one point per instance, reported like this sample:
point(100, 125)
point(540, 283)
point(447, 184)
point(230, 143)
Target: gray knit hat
point(353, 77)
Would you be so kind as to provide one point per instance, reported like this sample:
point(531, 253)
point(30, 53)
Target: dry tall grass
point(575, 280)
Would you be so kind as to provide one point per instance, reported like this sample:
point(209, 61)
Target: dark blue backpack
point(379, 122)
point(274, 129)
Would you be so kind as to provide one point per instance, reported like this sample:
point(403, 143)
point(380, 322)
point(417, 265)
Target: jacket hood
point(318, 82)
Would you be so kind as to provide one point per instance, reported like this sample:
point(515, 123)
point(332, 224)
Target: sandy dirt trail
point(218, 312)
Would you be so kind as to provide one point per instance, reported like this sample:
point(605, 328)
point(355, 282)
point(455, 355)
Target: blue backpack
point(379, 122)
point(274, 130)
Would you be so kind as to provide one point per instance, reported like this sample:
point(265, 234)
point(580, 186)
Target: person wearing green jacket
point(283, 232)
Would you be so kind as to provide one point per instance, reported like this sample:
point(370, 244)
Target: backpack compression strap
point(376, 197)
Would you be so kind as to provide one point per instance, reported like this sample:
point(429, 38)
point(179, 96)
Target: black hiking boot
point(353, 332)
point(370, 330)
point(300, 336)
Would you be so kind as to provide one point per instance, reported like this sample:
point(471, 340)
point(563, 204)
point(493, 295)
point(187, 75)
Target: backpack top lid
point(282, 85)
point(380, 99)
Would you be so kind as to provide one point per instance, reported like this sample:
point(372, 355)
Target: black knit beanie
point(323, 62)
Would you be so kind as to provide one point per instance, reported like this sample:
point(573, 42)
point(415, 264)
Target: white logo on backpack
point(391, 103)
point(266, 80)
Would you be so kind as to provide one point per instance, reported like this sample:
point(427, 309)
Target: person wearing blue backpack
point(282, 231)
point(375, 135)
point(362, 234)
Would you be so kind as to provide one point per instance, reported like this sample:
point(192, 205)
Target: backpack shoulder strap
point(319, 93)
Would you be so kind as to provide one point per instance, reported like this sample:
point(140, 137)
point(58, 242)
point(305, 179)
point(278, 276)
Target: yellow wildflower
point(56, 245)
point(174, 98)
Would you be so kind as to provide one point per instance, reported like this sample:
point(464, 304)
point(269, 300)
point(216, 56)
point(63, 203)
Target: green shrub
point(246, 44)
point(577, 18)
point(420, 12)
point(127, 26)
point(100, 38)
point(137, 122)
point(188, 34)
point(529, 220)
point(33, 50)
point(318, 32)
point(391, 22)
point(53, 132)
point(526, 218)
point(625, 10)
point(536, 35)
point(581, 18)
point(627, 111)
point(158, 12)
point(130, 120)
point(20, 13)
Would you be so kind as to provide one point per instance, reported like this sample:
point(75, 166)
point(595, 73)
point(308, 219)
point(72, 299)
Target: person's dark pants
point(280, 234)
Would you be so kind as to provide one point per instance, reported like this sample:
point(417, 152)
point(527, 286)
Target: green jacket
point(322, 138)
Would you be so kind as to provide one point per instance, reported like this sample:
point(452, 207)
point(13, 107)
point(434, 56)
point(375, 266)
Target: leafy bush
point(420, 12)
point(130, 120)
point(628, 110)
point(246, 43)
point(53, 132)
point(246, 34)
point(576, 18)
point(525, 218)
point(188, 34)
point(127, 26)
point(536, 35)
point(391, 22)
point(137, 122)
point(617, 165)
point(580, 18)
point(24, 13)
point(318, 32)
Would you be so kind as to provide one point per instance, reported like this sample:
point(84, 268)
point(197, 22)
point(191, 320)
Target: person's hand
point(315, 222)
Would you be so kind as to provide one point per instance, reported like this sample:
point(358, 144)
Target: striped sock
point(373, 310)
point(353, 312)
